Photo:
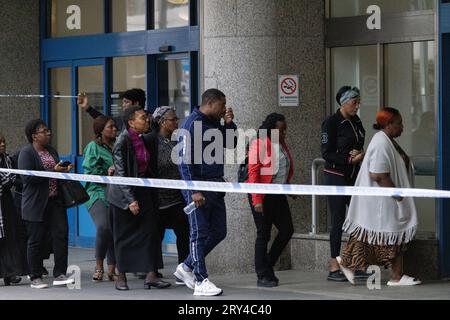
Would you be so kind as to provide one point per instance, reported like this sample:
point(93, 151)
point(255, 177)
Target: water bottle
point(189, 208)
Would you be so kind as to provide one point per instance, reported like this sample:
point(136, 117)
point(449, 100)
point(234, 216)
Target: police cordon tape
point(34, 96)
point(288, 189)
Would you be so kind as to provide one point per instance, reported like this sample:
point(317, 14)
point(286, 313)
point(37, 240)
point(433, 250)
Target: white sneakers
point(186, 276)
point(62, 280)
point(38, 284)
point(206, 288)
point(203, 288)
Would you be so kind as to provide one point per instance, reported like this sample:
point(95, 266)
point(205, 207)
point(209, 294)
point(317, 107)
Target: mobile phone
point(65, 164)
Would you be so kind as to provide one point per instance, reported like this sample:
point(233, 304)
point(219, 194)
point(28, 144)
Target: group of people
point(380, 228)
point(131, 221)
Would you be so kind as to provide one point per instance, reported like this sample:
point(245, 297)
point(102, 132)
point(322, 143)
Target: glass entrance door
point(72, 128)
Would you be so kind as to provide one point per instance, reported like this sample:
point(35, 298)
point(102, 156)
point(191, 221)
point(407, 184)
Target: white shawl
point(382, 220)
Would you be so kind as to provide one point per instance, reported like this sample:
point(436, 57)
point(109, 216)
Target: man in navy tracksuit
point(208, 221)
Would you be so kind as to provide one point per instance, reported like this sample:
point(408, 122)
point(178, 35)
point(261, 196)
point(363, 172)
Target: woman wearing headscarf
point(342, 148)
point(381, 227)
point(170, 202)
point(13, 262)
point(269, 161)
point(134, 219)
point(98, 161)
point(42, 207)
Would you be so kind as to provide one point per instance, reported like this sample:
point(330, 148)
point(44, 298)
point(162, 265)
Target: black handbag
point(73, 193)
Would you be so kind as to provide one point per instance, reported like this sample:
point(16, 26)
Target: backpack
point(243, 167)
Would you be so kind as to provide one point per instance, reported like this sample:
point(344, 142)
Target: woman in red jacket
point(270, 162)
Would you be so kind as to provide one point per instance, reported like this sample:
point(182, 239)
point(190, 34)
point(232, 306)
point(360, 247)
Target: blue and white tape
point(35, 96)
point(288, 189)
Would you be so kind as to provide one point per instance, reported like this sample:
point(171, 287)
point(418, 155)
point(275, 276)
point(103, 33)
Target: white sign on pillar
point(73, 22)
point(288, 91)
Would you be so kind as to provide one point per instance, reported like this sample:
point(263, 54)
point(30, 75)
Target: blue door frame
point(98, 49)
point(444, 137)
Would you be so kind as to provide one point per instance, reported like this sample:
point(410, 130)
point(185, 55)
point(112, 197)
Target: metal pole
point(314, 177)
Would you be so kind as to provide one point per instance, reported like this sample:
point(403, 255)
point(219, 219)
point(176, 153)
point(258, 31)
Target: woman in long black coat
point(134, 218)
point(12, 249)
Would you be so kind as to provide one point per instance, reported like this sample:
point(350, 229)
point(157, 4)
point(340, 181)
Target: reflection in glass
point(128, 73)
point(350, 8)
point(171, 13)
point(128, 15)
point(410, 87)
point(76, 17)
point(173, 85)
point(90, 80)
point(357, 66)
point(60, 111)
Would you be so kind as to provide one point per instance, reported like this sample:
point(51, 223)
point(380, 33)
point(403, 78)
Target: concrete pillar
point(246, 45)
point(19, 67)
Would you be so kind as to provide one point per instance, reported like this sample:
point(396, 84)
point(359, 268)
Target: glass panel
point(128, 15)
point(60, 110)
point(128, 73)
point(90, 80)
point(410, 87)
point(173, 85)
point(76, 17)
point(357, 66)
point(350, 8)
point(171, 13)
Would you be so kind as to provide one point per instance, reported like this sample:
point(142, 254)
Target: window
point(350, 8)
point(76, 17)
point(171, 13)
point(128, 15)
point(128, 73)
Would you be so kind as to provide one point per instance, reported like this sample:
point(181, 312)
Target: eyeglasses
point(43, 131)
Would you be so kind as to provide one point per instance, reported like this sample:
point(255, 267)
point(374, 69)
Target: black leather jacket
point(339, 137)
point(125, 164)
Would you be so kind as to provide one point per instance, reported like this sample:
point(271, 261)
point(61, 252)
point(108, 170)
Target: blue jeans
point(208, 227)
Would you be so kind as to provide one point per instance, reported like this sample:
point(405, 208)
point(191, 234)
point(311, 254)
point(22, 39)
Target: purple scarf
point(142, 154)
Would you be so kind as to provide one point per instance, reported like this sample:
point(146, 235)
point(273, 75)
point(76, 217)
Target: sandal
point(98, 275)
point(405, 281)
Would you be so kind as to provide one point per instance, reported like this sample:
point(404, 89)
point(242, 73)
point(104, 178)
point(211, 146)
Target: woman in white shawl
point(381, 227)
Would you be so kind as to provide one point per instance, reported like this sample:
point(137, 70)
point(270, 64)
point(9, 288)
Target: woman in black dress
point(134, 218)
point(12, 254)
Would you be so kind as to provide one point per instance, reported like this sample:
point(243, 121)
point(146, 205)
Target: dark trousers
point(104, 243)
point(55, 220)
point(276, 212)
point(175, 218)
point(208, 227)
point(337, 206)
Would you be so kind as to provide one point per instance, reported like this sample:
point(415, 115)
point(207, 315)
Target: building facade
point(174, 49)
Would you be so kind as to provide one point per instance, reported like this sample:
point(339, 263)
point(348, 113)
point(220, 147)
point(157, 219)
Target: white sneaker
point(38, 284)
point(62, 280)
point(206, 288)
point(186, 276)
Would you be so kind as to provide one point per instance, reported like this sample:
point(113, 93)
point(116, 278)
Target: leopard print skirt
point(358, 255)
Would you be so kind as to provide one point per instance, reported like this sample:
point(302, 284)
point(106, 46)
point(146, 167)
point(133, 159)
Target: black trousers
point(175, 218)
point(55, 220)
point(104, 243)
point(276, 212)
point(337, 206)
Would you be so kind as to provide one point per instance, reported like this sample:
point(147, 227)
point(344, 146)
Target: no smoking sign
point(288, 91)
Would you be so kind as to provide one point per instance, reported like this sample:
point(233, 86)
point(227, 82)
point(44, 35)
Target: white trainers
point(186, 276)
point(206, 288)
point(38, 284)
point(62, 280)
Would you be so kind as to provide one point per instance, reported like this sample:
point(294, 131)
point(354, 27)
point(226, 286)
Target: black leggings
point(337, 205)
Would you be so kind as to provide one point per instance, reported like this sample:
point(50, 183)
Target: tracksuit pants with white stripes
point(208, 227)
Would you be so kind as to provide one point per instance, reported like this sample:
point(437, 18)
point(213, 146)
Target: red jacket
point(260, 168)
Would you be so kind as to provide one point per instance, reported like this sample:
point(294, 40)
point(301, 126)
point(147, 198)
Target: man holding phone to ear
point(208, 225)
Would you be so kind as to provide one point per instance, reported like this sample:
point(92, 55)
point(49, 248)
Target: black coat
point(339, 137)
point(35, 189)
